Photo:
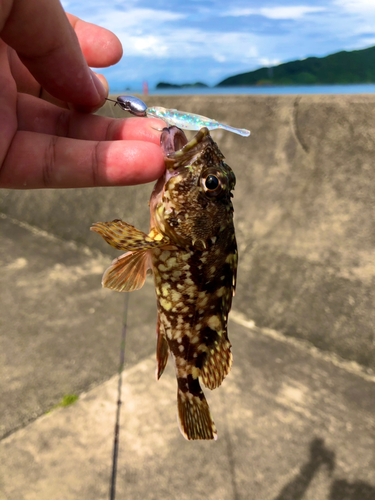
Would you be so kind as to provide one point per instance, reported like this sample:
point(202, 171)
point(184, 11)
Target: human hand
point(46, 89)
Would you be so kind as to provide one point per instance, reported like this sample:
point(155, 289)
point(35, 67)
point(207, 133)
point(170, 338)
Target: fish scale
point(191, 250)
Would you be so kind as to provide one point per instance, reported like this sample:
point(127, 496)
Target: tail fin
point(194, 414)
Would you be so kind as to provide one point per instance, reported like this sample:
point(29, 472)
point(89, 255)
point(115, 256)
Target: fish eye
point(211, 182)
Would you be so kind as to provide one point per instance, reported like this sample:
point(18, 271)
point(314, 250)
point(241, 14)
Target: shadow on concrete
point(320, 456)
point(359, 490)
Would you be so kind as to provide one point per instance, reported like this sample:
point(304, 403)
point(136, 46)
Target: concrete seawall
point(304, 211)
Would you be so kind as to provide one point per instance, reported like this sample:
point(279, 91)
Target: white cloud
point(357, 6)
point(367, 42)
point(165, 34)
point(238, 12)
point(149, 45)
point(295, 12)
point(146, 20)
point(292, 12)
point(189, 43)
point(265, 61)
point(194, 43)
point(219, 57)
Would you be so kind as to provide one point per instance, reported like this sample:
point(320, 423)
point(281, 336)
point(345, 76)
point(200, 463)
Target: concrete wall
point(304, 211)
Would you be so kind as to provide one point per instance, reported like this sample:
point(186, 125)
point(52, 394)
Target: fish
point(192, 252)
point(191, 121)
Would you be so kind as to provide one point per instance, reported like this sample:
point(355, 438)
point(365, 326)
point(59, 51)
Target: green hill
point(164, 85)
point(357, 66)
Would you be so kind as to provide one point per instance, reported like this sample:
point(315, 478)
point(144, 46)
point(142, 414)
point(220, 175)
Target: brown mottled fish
point(192, 251)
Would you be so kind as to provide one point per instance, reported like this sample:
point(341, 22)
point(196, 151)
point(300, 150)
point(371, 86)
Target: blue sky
point(185, 41)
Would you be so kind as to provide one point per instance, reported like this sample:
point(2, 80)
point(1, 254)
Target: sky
point(185, 41)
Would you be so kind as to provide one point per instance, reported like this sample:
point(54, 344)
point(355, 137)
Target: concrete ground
point(293, 423)
point(303, 209)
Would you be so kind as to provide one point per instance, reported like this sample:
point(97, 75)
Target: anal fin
point(162, 351)
point(128, 272)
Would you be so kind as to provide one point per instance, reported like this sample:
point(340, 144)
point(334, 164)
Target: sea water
point(266, 90)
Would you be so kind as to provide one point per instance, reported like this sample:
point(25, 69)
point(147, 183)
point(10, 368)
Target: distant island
point(163, 85)
point(357, 66)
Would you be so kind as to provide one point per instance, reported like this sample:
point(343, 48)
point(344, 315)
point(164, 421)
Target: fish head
point(191, 202)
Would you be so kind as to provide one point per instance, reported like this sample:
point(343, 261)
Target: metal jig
point(134, 105)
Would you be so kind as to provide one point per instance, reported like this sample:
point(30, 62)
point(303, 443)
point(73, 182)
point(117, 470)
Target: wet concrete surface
point(293, 424)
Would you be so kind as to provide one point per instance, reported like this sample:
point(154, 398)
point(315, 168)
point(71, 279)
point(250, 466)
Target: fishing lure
point(191, 121)
point(174, 117)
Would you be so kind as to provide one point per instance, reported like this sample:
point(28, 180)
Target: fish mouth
point(172, 139)
point(176, 147)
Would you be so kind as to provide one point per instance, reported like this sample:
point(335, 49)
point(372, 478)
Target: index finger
point(37, 161)
point(46, 43)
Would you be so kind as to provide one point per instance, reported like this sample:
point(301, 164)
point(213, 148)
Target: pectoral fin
point(128, 272)
point(123, 236)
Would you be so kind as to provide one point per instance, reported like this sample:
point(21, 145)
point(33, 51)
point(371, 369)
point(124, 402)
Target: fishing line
point(230, 449)
point(116, 437)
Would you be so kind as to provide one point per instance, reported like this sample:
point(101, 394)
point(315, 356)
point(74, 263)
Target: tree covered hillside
point(357, 66)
